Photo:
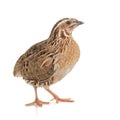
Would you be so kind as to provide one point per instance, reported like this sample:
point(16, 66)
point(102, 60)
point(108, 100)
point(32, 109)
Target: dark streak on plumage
point(63, 36)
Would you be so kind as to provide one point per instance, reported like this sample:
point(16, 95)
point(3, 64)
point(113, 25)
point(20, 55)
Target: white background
point(94, 83)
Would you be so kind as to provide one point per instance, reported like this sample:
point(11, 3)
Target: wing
point(37, 63)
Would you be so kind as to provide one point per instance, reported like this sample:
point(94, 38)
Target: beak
point(79, 22)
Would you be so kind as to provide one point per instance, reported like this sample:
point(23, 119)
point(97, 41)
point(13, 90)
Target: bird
point(48, 61)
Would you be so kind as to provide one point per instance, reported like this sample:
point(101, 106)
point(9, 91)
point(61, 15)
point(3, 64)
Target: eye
point(68, 22)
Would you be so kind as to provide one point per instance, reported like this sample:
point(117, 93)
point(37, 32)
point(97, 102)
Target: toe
point(63, 100)
point(37, 102)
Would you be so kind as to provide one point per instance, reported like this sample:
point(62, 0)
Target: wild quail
point(48, 61)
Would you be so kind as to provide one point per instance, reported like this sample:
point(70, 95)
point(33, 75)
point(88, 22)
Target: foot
point(59, 99)
point(37, 102)
point(62, 99)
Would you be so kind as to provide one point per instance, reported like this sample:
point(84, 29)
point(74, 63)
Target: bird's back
point(35, 63)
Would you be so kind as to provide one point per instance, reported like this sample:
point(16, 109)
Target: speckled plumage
point(49, 61)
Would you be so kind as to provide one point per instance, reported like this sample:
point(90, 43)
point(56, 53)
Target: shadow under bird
point(48, 61)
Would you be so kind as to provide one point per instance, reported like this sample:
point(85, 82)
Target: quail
point(48, 61)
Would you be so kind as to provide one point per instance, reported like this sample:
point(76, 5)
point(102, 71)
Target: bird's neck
point(60, 33)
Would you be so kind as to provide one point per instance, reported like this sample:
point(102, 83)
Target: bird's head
point(65, 26)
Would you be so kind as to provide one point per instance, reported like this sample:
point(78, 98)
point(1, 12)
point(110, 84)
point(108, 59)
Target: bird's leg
point(58, 99)
point(37, 101)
